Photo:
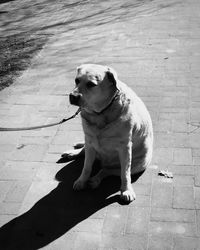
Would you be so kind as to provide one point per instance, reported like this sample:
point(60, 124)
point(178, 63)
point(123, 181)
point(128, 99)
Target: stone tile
point(181, 180)
point(173, 215)
point(89, 225)
point(18, 191)
point(141, 201)
point(183, 197)
point(19, 170)
point(183, 156)
point(158, 242)
point(9, 208)
point(28, 152)
point(197, 176)
point(138, 220)
point(5, 186)
point(87, 241)
point(182, 170)
point(68, 139)
point(186, 243)
point(122, 242)
point(162, 195)
point(197, 197)
point(115, 220)
point(160, 228)
point(198, 222)
point(163, 156)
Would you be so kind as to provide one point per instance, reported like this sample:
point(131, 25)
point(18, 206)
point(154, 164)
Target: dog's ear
point(112, 76)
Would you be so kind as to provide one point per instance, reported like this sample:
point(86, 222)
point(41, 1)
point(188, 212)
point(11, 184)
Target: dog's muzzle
point(74, 98)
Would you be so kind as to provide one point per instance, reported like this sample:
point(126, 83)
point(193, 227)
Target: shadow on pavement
point(6, 1)
point(58, 212)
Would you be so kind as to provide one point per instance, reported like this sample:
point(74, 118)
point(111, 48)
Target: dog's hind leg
point(95, 181)
point(73, 154)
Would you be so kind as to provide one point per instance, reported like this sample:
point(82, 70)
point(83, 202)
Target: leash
point(41, 126)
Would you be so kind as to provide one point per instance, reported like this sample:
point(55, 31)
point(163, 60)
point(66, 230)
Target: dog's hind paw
point(94, 182)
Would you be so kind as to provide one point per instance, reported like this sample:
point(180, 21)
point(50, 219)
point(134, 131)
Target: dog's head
point(95, 87)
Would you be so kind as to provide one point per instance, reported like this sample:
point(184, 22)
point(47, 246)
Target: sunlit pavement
point(157, 54)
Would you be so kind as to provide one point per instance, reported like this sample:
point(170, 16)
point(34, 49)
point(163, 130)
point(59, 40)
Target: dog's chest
point(104, 140)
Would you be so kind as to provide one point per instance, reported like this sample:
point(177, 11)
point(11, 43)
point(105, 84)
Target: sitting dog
point(117, 127)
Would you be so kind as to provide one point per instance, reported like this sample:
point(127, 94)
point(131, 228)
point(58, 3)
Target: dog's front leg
point(90, 154)
point(125, 155)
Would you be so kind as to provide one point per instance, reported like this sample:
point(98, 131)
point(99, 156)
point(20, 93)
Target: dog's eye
point(90, 85)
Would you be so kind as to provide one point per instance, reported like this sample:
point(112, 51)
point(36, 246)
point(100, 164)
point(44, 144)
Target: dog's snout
point(74, 98)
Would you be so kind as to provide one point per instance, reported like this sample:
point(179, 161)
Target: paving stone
point(138, 220)
point(5, 186)
point(172, 228)
point(183, 197)
point(198, 222)
point(162, 195)
point(181, 180)
point(51, 157)
point(19, 170)
point(196, 161)
point(68, 139)
point(183, 156)
point(142, 189)
point(197, 176)
point(173, 215)
point(197, 197)
point(163, 156)
point(28, 152)
point(115, 220)
point(186, 243)
point(141, 201)
point(18, 191)
point(89, 225)
point(182, 170)
point(87, 241)
point(158, 243)
point(122, 242)
point(9, 208)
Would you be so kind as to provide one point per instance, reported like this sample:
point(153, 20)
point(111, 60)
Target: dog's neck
point(109, 114)
point(109, 104)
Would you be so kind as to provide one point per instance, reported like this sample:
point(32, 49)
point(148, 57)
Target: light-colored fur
point(117, 127)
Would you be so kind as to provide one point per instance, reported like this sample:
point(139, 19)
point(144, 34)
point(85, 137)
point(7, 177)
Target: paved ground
point(158, 55)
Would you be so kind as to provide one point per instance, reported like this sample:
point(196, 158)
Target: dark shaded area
point(16, 52)
point(59, 211)
point(6, 1)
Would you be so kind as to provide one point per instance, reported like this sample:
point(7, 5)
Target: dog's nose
point(74, 98)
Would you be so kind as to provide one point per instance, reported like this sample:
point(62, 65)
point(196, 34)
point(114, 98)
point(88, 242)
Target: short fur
point(117, 126)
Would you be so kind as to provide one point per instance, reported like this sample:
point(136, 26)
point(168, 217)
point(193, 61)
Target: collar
point(108, 106)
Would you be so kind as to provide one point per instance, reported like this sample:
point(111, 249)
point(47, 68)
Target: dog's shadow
point(59, 211)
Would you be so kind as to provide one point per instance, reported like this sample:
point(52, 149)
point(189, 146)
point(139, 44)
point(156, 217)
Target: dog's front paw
point(128, 195)
point(79, 184)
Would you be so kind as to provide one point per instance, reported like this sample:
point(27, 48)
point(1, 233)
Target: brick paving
point(158, 55)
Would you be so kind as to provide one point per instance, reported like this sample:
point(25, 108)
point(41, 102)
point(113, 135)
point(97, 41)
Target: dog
point(117, 127)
